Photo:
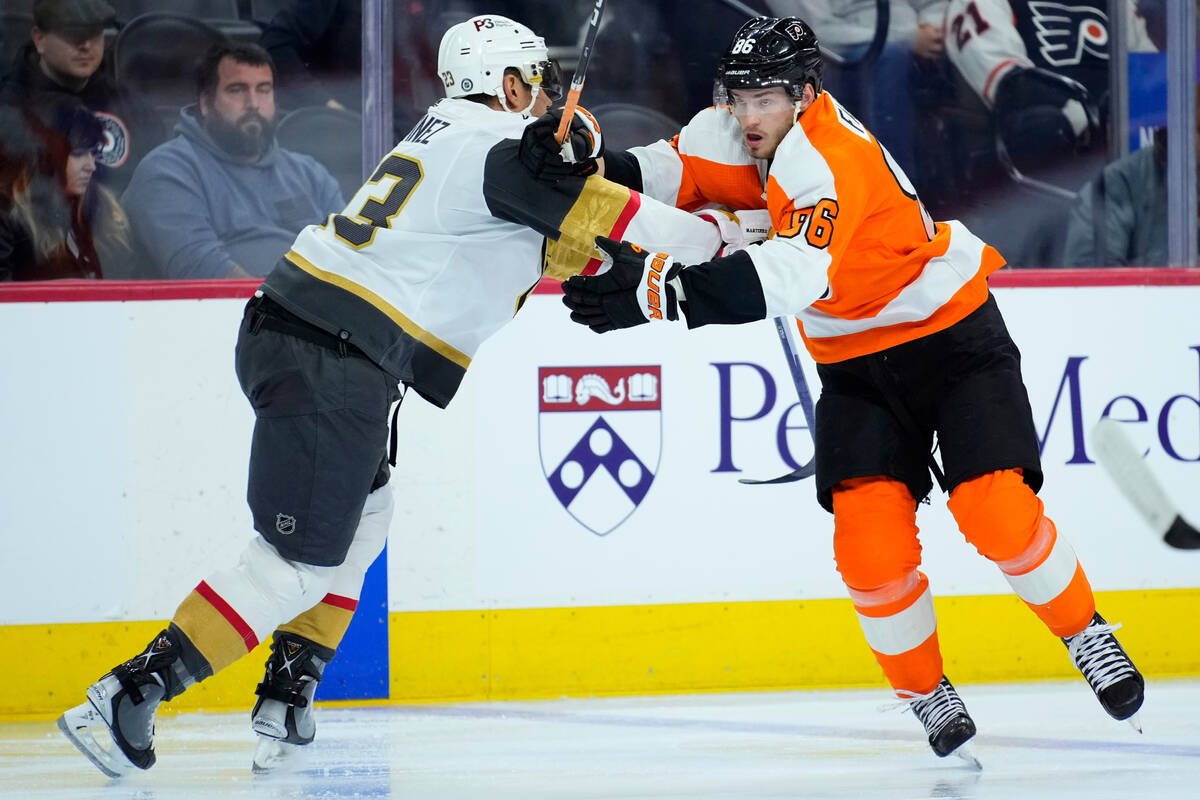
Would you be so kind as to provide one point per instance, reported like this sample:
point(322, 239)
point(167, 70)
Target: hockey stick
point(585, 55)
point(793, 360)
point(1127, 467)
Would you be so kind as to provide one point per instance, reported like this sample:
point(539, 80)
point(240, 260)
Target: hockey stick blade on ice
point(1129, 471)
point(585, 56)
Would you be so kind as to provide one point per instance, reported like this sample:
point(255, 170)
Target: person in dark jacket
point(1120, 216)
point(223, 199)
point(55, 221)
point(62, 65)
point(317, 48)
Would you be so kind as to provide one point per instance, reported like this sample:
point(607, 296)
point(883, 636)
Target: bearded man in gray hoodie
point(222, 199)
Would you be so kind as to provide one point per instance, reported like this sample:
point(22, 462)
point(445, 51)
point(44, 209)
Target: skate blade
point(79, 725)
point(271, 755)
point(965, 752)
point(1135, 721)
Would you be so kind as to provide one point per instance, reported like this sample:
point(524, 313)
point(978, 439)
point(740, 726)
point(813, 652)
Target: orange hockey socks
point(877, 551)
point(1005, 521)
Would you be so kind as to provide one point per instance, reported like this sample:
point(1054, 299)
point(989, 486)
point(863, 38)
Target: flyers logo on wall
point(600, 439)
point(1066, 32)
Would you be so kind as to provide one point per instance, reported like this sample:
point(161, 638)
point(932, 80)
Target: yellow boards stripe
point(647, 649)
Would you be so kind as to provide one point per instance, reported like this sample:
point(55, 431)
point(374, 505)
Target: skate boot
point(946, 721)
point(120, 708)
point(1113, 677)
point(283, 715)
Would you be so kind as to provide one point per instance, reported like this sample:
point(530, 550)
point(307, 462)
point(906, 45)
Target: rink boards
point(573, 523)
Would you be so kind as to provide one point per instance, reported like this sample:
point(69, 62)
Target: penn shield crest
point(600, 439)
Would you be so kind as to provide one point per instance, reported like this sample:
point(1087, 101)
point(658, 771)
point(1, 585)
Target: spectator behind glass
point(1041, 79)
point(1120, 217)
point(62, 65)
point(317, 48)
point(222, 199)
point(883, 93)
point(58, 223)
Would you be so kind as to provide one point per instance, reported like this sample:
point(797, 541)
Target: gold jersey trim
point(423, 336)
point(599, 207)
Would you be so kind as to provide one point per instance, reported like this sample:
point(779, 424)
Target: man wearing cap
point(60, 66)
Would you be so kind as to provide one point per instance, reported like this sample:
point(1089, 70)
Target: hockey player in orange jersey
point(896, 311)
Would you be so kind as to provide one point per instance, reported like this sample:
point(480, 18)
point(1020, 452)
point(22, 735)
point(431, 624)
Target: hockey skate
point(946, 721)
point(115, 727)
point(1113, 677)
point(283, 716)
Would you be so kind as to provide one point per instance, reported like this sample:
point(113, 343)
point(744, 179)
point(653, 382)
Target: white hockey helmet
point(474, 54)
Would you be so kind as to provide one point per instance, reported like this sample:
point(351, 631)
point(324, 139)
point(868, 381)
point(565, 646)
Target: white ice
point(1036, 742)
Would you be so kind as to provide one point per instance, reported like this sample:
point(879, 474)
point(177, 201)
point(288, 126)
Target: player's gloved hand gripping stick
point(542, 154)
point(566, 143)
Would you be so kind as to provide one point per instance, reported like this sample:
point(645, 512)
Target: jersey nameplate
point(426, 128)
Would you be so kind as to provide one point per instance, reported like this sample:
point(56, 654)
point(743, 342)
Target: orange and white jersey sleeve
point(855, 257)
point(707, 163)
point(809, 216)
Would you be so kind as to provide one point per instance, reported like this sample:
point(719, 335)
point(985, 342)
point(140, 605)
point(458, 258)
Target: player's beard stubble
point(249, 137)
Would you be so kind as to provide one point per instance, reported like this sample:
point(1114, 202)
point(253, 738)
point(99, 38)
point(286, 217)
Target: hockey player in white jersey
point(431, 256)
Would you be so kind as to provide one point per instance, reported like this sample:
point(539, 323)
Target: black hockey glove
point(550, 161)
point(1043, 113)
point(633, 291)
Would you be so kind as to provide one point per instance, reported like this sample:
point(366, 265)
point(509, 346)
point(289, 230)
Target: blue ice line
point(790, 729)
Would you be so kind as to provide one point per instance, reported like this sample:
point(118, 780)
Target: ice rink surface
point(1036, 741)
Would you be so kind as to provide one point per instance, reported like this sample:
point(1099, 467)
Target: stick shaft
point(568, 112)
point(585, 57)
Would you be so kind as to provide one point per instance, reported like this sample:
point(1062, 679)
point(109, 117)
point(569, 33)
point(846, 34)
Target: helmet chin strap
point(534, 89)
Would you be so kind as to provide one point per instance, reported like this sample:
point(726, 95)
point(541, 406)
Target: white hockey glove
point(739, 229)
point(638, 287)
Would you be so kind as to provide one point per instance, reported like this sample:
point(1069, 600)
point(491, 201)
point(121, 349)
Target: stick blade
point(1182, 535)
point(806, 471)
point(1128, 470)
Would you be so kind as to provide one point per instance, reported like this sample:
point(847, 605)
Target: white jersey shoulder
point(419, 235)
point(799, 168)
point(714, 135)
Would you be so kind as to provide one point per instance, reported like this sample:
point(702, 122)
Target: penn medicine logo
point(1066, 32)
point(600, 439)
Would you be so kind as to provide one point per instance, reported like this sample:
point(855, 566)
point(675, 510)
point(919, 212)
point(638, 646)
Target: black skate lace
point(1098, 656)
point(936, 709)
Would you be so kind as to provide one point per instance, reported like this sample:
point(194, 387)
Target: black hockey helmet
point(770, 51)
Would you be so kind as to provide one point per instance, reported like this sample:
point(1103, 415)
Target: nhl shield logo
point(600, 439)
